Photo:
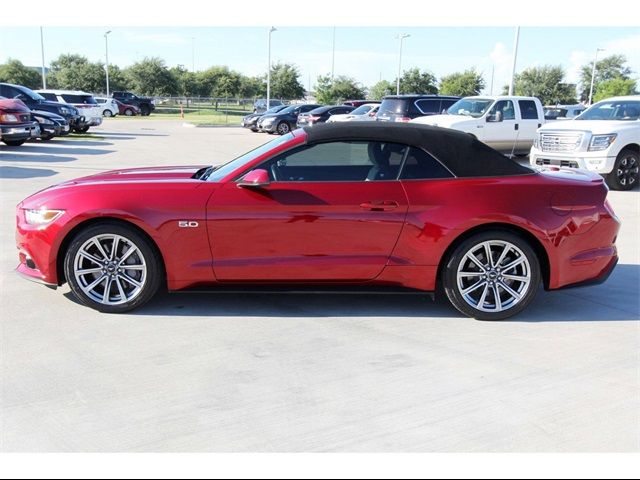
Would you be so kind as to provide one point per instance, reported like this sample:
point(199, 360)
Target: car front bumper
point(598, 162)
point(20, 132)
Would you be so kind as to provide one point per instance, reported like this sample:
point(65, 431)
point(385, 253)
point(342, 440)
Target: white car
point(364, 113)
point(83, 101)
point(109, 106)
point(605, 139)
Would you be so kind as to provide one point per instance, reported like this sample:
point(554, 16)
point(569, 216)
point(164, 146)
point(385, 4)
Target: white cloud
point(158, 38)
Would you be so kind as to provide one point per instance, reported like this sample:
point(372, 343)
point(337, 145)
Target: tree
point(616, 87)
point(151, 77)
point(381, 89)
point(546, 83)
point(15, 72)
point(76, 72)
point(218, 81)
point(464, 84)
point(608, 68)
point(117, 79)
point(285, 82)
point(252, 87)
point(414, 81)
point(185, 80)
point(340, 89)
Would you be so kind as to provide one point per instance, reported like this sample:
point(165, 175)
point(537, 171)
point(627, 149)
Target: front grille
point(557, 163)
point(26, 117)
point(560, 142)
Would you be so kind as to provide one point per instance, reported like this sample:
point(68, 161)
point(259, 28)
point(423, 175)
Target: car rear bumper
point(601, 277)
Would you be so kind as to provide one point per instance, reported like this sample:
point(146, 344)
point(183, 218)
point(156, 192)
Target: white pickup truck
point(605, 139)
point(506, 123)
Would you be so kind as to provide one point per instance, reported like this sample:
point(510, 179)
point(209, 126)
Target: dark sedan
point(250, 121)
point(285, 120)
point(322, 114)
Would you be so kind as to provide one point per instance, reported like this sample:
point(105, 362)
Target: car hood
point(447, 121)
point(594, 126)
point(13, 106)
point(142, 174)
point(49, 115)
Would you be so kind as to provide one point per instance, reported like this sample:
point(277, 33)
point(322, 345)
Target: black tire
point(624, 175)
point(145, 111)
point(14, 143)
point(489, 281)
point(283, 128)
point(149, 280)
point(129, 113)
point(107, 113)
point(46, 137)
point(81, 129)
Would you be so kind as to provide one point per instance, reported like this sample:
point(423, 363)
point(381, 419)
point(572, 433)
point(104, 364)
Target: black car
point(51, 125)
point(402, 108)
point(35, 101)
point(251, 120)
point(145, 104)
point(322, 114)
point(285, 120)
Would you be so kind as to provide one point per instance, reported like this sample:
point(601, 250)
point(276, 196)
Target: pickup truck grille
point(560, 142)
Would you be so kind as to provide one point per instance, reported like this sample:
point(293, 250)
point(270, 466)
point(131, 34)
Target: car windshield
point(289, 109)
point(275, 109)
point(362, 110)
point(218, 172)
point(84, 99)
point(612, 110)
point(31, 94)
point(470, 107)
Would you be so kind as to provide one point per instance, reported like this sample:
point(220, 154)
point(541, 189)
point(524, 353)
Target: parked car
point(604, 139)
point(16, 124)
point(109, 106)
point(260, 105)
point(364, 113)
point(145, 104)
point(250, 121)
point(403, 108)
point(322, 114)
point(358, 103)
point(397, 207)
point(127, 110)
point(562, 112)
point(36, 101)
point(51, 125)
point(506, 123)
point(83, 101)
point(285, 120)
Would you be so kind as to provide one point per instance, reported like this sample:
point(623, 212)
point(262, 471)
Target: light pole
point(193, 54)
point(271, 30)
point(401, 37)
point(333, 54)
point(513, 64)
point(593, 73)
point(106, 55)
point(44, 75)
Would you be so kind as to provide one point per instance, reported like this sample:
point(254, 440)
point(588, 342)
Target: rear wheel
point(492, 275)
point(128, 112)
point(144, 110)
point(112, 268)
point(624, 175)
point(14, 143)
point(81, 129)
point(45, 137)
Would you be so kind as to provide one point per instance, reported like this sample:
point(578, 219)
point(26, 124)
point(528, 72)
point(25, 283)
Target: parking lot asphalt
point(289, 373)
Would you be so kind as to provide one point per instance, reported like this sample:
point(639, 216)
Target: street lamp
point(401, 37)
point(593, 73)
point(333, 54)
point(271, 30)
point(44, 75)
point(193, 54)
point(106, 55)
point(512, 80)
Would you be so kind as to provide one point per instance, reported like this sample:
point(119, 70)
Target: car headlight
point(9, 118)
point(601, 142)
point(42, 216)
point(43, 120)
point(268, 121)
point(64, 111)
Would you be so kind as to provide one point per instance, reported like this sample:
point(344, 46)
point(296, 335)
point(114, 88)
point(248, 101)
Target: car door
point(501, 135)
point(528, 125)
point(332, 212)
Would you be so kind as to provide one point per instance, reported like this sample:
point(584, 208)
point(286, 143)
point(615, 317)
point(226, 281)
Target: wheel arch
point(68, 238)
point(631, 146)
point(530, 238)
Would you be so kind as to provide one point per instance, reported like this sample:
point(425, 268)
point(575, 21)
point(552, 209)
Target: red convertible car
point(382, 208)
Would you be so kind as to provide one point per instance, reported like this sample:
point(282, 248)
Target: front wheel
point(283, 128)
point(107, 113)
point(112, 268)
point(624, 175)
point(14, 143)
point(81, 129)
point(492, 275)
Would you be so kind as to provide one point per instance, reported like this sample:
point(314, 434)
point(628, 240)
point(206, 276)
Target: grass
point(203, 116)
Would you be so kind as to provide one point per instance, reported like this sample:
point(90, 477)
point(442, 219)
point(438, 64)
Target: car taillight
point(402, 119)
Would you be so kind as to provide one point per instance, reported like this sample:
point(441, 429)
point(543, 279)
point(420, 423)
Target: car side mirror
point(257, 178)
point(496, 117)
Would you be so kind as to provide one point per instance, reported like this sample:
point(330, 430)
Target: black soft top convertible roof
point(461, 153)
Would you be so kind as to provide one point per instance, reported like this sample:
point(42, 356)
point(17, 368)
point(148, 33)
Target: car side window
point(420, 165)
point(50, 96)
point(338, 162)
point(528, 109)
point(429, 106)
point(506, 107)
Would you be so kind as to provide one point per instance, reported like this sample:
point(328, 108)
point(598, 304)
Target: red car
point(16, 123)
point(127, 110)
point(385, 207)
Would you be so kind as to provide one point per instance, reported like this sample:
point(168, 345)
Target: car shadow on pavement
point(21, 172)
point(52, 149)
point(17, 157)
point(129, 135)
point(80, 143)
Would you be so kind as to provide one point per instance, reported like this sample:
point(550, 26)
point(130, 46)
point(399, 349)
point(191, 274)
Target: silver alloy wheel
point(627, 171)
point(128, 112)
point(108, 113)
point(283, 128)
point(494, 276)
point(110, 269)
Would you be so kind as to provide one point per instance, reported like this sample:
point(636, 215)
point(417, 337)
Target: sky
point(364, 53)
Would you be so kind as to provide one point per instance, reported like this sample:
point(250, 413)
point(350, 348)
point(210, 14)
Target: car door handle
point(516, 126)
point(380, 206)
